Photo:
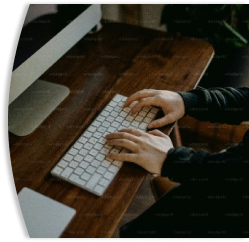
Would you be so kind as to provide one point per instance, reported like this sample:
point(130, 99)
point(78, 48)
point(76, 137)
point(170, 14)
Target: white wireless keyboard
point(85, 164)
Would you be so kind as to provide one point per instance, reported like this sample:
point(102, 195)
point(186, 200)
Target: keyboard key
point(106, 124)
point(109, 109)
point(78, 171)
point(95, 163)
point(93, 181)
point(154, 110)
point(142, 113)
point(147, 120)
point(63, 164)
point(120, 119)
point(126, 123)
point(90, 169)
point(118, 109)
point(113, 169)
point(83, 140)
point(88, 158)
point(105, 114)
point(117, 163)
point(102, 140)
point(117, 98)
point(57, 170)
point(93, 140)
point(68, 157)
point(78, 158)
point(73, 177)
point(114, 114)
point(100, 118)
point(97, 135)
point(121, 104)
point(73, 164)
point(123, 114)
point(108, 175)
point(88, 146)
point(135, 124)
point(67, 172)
point(111, 129)
point(86, 176)
point(101, 170)
point(100, 157)
point(150, 115)
point(96, 123)
point(139, 118)
point(98, 146)
point(73, 151)
point(83, 152)
point(78, 145)
point(106, 163)
point(87, 134)
point(143, 126)
point(101, 129)
point(113, 104)
point(99, 189)
point(92, 129)
point(129, 118)
point(80, 182)
point(146, 109)
point(115, 124)
point(93, 152)
point(105, 151)
point(110, 119)
point(84, 164)
point(103, 182)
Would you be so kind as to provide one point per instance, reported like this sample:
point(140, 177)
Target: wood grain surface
point(118, 59)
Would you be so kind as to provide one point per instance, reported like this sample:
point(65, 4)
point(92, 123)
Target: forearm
point(184, 164)
point(224, 105)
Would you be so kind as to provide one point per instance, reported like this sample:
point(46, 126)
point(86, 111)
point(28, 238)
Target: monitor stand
point(34, 105)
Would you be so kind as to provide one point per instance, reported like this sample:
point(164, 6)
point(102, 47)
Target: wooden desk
point(119, 59)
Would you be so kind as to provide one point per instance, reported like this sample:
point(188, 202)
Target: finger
point(144, 102)
point(139, 95)
point(157, 132)
point(122, 135)
point(160, 122)
point(123, 157)
point(132, 131)
point(123, 143)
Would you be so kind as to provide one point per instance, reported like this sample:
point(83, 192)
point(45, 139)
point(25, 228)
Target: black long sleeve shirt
point(212, 200)
point(223, 105)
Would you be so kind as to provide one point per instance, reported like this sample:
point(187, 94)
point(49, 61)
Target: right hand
point(171, 103)
point(148, 150)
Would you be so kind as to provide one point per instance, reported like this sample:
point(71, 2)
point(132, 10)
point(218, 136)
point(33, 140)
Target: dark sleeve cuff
point(177, 157)
point(181, 163)
point(191, 101)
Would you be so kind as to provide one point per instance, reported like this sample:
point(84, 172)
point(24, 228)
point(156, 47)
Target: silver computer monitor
point(31, 100)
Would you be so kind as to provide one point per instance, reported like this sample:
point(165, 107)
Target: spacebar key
point(93, 181)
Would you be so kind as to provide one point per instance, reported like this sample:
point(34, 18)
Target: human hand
point(171, 103)
point(148, 150)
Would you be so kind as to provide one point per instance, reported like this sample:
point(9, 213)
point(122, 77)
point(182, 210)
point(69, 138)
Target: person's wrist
point(180, 105)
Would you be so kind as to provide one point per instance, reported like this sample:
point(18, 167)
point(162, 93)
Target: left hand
point(148, 150)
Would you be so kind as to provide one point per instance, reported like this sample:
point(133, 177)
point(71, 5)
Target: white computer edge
point(29, 71)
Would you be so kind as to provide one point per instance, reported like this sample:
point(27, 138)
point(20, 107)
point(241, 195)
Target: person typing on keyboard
point(213, 196)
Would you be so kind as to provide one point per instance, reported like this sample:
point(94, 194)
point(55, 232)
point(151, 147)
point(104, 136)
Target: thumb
point(157, 132)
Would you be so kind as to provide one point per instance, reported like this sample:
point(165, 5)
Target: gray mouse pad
point(43, 216)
